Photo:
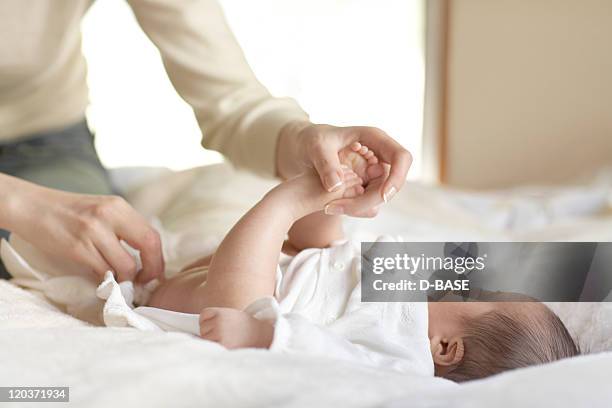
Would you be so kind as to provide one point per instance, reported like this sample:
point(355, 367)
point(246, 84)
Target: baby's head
point(472, 340)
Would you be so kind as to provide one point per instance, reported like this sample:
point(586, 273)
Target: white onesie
point(316, 309)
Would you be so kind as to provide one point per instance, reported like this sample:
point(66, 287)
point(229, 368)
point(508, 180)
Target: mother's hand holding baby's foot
point(304, 144)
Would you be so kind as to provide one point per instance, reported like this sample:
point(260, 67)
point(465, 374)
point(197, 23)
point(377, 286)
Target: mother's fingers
point(383, 145)
point(116, 256)
point(127, 224)
point(326, 162)
point(364, 205)
point(367, 204)
point(400, 164)
point(144, 238)
point(88, 254)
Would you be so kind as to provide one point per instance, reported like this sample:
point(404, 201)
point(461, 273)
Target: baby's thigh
point(179, 293)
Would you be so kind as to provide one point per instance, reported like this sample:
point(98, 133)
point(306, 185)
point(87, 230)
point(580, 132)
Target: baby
point(302, 295)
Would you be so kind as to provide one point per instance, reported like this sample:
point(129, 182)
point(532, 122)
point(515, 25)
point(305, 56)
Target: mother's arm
point(236, 114)
point(240, 118)
point(85, 229)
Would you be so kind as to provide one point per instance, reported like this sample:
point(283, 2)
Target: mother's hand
point(303, 144)
point(85, 229)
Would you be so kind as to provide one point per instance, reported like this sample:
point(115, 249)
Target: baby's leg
point(244, 267)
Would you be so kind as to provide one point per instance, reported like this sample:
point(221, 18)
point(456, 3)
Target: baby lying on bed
point(303, 295)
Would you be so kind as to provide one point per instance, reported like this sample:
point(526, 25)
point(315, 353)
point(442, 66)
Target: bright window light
point(347, 62)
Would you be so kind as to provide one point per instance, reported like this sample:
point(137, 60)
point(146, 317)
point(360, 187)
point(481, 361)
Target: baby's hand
point(234, 329)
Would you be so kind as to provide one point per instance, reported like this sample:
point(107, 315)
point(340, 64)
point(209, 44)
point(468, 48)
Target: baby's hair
point(506, 339)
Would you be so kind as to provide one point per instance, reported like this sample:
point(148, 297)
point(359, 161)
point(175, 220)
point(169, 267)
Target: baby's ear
point(447, 354)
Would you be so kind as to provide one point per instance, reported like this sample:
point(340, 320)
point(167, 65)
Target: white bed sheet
point(39, 345)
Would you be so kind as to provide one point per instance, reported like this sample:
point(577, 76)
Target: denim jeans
point(64, 159)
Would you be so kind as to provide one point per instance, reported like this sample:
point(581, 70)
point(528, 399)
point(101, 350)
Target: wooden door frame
point(436, 89)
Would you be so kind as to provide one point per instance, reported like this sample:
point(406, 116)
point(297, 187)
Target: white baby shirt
point(317, 310)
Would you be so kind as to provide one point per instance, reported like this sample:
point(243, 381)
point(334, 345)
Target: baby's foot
point(235, 329)
point(359, 158)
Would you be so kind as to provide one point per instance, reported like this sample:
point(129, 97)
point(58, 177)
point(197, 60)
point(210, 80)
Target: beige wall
point(529, 91)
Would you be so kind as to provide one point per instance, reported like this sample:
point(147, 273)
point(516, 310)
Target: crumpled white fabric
point(117, 310)
point(61, 282)
point(73, 290)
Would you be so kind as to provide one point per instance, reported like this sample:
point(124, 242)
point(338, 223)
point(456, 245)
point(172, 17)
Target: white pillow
point(589, 323)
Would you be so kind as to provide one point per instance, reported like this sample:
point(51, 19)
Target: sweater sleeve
point(236, 114)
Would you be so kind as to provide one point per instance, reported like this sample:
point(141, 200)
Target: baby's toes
point(363, 150)
point(367, 154)
point(370, 157)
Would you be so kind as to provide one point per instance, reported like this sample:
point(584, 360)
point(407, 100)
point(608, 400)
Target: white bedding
point(40, 345)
